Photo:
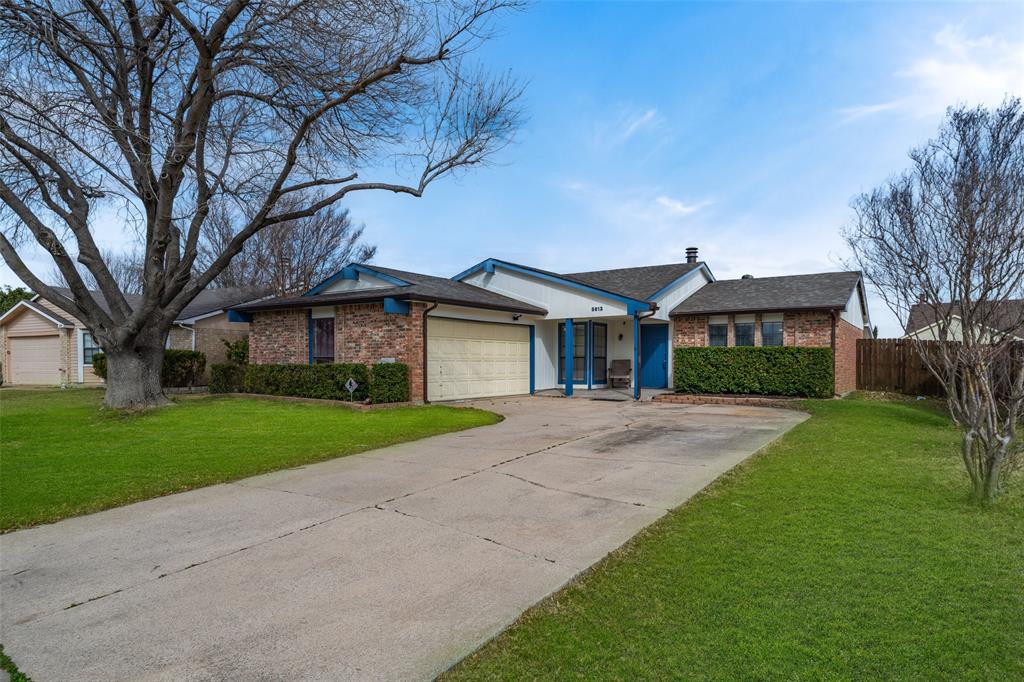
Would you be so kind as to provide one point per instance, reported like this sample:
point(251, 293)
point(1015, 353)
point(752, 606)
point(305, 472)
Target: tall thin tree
point(947, 235)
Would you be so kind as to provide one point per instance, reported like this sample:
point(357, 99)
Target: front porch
point(596, 352)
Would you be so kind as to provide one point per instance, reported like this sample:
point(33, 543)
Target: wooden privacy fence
point(894, 365)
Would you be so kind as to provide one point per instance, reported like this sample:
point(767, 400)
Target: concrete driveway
point(393, 564)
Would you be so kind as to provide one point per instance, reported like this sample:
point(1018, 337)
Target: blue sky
point(742, 129)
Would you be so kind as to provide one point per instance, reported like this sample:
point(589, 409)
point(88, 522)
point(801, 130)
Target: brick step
point(745, 400)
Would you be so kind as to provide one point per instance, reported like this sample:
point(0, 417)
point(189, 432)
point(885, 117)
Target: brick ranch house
point(41, 344)
point(501, 328)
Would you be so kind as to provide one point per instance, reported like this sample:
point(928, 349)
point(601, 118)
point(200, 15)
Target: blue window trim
point(309, 336)
point(533, 355)
point(632, 305)
point(352, 271)
point(682, 278)
point(235, 316)
point(588, 354)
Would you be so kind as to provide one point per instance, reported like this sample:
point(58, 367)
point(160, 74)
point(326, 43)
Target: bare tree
point(289, 256)
point(949, 234)
point(176, 109)
point(125, 267)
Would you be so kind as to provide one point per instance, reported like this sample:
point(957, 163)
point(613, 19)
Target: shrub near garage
point(761, 370)
point(308, 381)
point(389, 383)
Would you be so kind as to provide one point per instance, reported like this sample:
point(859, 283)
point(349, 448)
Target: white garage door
point(476, 359)
point(35, 359)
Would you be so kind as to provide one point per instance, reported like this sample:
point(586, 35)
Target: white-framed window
point(718, 330)
point(89, 348)
point(743, 329)
point(771, 329)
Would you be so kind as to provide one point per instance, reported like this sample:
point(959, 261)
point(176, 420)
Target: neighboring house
point(923, 320)
point(502, 328)
point(42, 344)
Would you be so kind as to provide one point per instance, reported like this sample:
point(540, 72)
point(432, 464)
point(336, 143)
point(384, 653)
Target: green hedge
point(389, 383)
point(227, 378)
point(771, 370)
point(181, 367)
point(308, 381)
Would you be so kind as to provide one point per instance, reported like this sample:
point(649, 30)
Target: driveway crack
point(464, 532)
point(579, 494)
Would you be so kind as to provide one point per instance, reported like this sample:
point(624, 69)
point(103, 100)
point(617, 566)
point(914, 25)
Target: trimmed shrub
point(99, 365)
point(308, 381)
point(237, 352)
point(227, 378)
point(389, 383)
point(771, 370)
point(180, 368)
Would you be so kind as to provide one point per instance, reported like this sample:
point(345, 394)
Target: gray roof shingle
point(640, 283)
point(827, 290)
point(208, 301)
point(421, 288)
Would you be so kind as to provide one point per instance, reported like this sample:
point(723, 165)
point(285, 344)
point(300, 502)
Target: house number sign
point(596, 308)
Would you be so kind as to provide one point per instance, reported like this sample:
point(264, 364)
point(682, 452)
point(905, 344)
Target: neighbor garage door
point(35, 359)
point(476, 359)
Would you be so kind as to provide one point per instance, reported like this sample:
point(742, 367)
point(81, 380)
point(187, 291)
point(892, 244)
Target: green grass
point(847, 550)
point(61, 455)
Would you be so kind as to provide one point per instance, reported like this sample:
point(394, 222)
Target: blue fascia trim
point(309, 334)
point(570, 370)
point(679, 280)
point(636, 358)
point(235, 316)
point(533, 358)
point(632, 304)
point(351, 271)
point(396, 307)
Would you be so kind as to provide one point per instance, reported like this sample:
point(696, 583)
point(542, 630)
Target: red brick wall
point(689, 331)
point(807, 329)
point(279, 336)
point(846, 356)
point(365, 333)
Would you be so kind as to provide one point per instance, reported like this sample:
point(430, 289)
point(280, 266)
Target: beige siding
point(30, 323)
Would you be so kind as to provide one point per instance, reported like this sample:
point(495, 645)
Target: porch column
point(636, 357)
point(569, 352)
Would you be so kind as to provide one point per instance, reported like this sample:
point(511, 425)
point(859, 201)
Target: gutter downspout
point(636, 348)
point(189, 329)
point(425, 312)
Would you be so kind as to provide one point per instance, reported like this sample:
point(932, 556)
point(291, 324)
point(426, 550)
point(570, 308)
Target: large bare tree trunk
point(133, 374)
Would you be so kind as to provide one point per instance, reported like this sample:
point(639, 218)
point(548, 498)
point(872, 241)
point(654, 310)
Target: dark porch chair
point(619, 371)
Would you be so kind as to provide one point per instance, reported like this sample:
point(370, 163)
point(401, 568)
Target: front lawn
point(848, 550)
point(61, 455)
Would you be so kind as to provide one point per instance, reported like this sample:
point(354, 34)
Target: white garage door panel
point(35, 359)
point(476, 359)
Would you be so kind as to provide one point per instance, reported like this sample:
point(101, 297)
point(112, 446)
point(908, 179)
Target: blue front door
point(654, 356)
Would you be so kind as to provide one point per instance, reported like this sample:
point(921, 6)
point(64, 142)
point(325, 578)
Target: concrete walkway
point(390, 565)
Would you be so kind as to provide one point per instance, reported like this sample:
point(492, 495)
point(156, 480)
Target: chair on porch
point(619, 371)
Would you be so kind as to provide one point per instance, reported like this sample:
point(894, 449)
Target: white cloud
point(677, 207)
point(626, 125)
point(955, 69)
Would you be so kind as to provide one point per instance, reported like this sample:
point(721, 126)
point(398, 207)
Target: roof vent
point(747, 277)
point(691, 254)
